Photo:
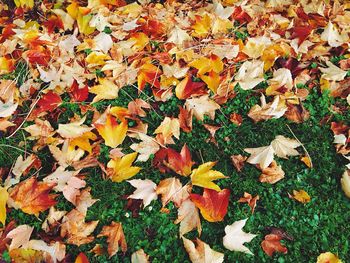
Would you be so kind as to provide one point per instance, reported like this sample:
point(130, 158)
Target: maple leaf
point(332, 36)
point(48, 102)
point(52, 219)
point(212, 80)
point(272, 244)
point(20, 236)
point(168, 128)
point(202, 26)
point(78, 94)
point(188, 217)
point(83, 141)
point(202, 252)
point(284, 147)
point(250, 74)
point(185, 118)
point(261, 155)
point(52, 23)
point(328, 257)
point(148, 73)
point(112, 132)
point(73, 129)
point(76, 229)
point(81, 258)
point(178, 36)
point(238, 161)
point(301, 196)
point(3, 199)
point(84, 200)
point(205, 65)
point(333, 72)
point(139, 256)
point(187, 88)
point(271, 174)
point(235, 237)
point(122, 169)
point(202, 106)
point(212, 205)
point(275, 109)
point(7, 109)
point(171, 189)
point(106, 90)
point(33, 197)
point(22, 167)
point(145, 190)
point(250, 200)
point(67, 155)
point(115, 238)
point(145, 148)
point(203, 176)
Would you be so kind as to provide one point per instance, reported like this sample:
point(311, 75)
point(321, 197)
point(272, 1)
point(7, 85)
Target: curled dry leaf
point(202, 252)
point(115, 238)
point(301, 196)
point(171, 189)
point(212, 204)
point(250, 200)
point(271, 174)
point(238, 161)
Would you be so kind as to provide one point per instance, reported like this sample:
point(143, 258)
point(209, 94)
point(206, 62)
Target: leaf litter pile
point(185, 131)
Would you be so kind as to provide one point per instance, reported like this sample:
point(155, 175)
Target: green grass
point(318, 226)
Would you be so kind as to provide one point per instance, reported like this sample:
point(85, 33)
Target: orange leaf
point(115, 238)
point(186, 88)
point(181, 163)
point(213, 205)
point(33, 197)
point(272, 244)
point(81, 258)
point(112, 132)
point(52, 23)
point(250, 200)
point(148, 73)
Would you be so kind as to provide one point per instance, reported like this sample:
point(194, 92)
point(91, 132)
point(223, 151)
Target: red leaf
point(78, 94)
point(272, 244)
point(186, 88)
point(213, 205)
point(81, 258)
point(41, 58)
point(52, 23)
point(48, 102)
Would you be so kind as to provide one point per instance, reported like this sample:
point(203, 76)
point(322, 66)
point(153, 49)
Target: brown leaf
point(115, 238)
point(272, 244)
point(171, 189)
point(185, 119)
point(272, 174)
point(250, 200)
point(238, 161)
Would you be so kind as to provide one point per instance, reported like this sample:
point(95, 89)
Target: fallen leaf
point(106, 90)
point(187, 88)
point(204, 175)
point(235, 237)
point(333, 72)
point(345, 183)
point(77, 231)
point(3, 199)
point(178, 36)
point(238, 161)
point(81, 258)
point(145, 148)
point(212, 204)
point(261, 155)
point(301, 196)
point(271, 174)
point(148, 73)
point(272, 244)
point(250, 200)
point(188, 217)
point(171, 189)
point(201, 252)
point(33, 197)
point(20, 236)
point(202, 106)
point(74, 129)
point(139, 256)
point(284, 147)
point(250, 74)
point(115, 238)
point(274, 109)
point(145, 190)
point(168, 128)
point(112, 132)
point(122, 167)
point(332, 36)
point(328, 257)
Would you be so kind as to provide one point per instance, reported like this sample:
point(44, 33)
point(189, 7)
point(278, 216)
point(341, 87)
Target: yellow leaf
point(168, 128)
point(140, 41)
point(212, 80)
point(122, 169)
point(203, 176)
point(345, 183)
point(3, 199)
point(72, 10)
point(307, 161)
point(24, 3)
point(112, 132)
point(202, 26)
point(106, 90)
point(301, 196)
point(83, 141)
point(83, 23)
point(328, 257)
point(96, 59)
point(205, 65)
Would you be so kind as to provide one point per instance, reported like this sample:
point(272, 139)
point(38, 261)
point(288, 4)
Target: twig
point(302, 145)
